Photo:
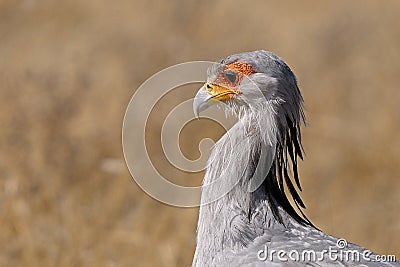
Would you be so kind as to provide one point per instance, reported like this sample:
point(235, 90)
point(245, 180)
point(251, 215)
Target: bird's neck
point(231, 216)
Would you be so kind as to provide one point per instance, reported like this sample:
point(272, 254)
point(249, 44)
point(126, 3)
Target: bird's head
point(260, 86)
point(251, 82)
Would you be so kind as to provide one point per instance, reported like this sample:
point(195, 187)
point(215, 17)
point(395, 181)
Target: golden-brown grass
point(68, 69)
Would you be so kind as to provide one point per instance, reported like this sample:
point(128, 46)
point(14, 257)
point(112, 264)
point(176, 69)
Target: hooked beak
point(210, 93)
point(201, 101)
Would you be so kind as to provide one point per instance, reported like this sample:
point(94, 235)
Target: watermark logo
point(134, 132)
point(341, 252)
point(341, 243)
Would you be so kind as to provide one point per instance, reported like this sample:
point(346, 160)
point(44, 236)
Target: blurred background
point(68, 69)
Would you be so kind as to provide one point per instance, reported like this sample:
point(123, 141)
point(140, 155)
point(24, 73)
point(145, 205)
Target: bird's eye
point(230, 75)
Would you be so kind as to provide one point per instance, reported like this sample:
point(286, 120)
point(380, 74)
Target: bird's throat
point(231, 215)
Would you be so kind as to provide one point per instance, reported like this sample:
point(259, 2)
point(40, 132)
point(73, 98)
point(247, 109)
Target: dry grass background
point(68, 69)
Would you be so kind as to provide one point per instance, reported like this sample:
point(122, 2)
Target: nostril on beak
point(208, 87)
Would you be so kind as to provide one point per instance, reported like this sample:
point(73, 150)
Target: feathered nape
point(288, 149)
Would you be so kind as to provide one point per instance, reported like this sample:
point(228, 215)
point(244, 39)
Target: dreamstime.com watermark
point(338, 253)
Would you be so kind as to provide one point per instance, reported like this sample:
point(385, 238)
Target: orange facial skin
point(225, 85)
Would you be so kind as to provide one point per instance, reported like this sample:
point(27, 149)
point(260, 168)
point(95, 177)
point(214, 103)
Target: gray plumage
point(262, 148)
